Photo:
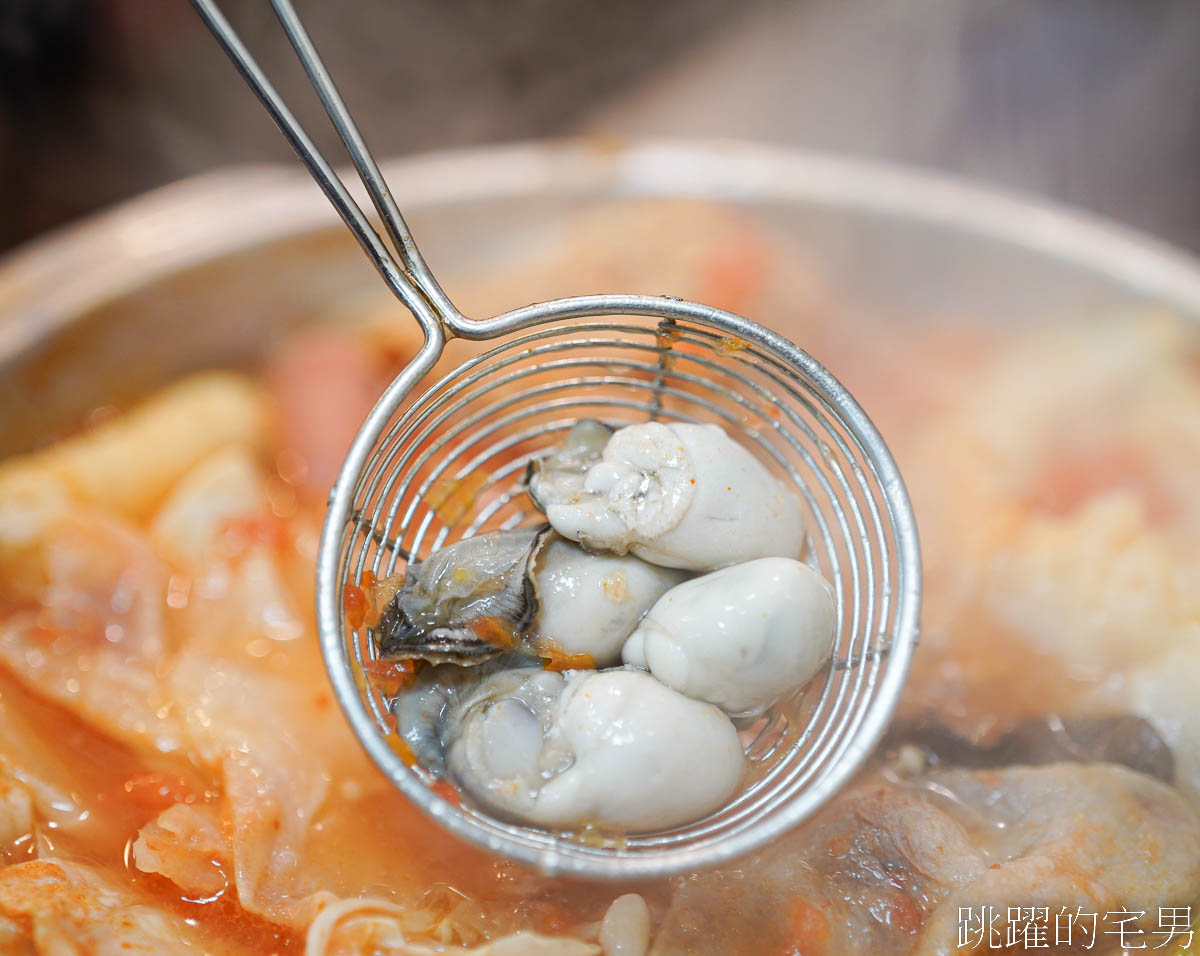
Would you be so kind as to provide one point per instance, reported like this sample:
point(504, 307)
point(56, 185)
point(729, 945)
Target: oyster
point(528, 590)
point(588, 604)
point(678, 495)
point(425, 708)
point(465, 603)
point(741, 638)
point(615, 749)
point(560, 474)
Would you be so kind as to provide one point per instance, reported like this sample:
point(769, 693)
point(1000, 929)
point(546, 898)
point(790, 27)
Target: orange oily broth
point(109, 783)
point(120, 793)
point(366, 838)
point(369, 839)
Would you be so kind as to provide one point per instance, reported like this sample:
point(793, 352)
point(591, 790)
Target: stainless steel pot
point(209, 270)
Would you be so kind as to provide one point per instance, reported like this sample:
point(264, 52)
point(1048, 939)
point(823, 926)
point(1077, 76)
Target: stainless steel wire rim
point(675, 360)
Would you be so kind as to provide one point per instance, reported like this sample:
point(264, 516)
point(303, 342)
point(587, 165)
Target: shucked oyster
point(615, 749)
point(425, 708)
point(678, 495)
point(527, 590)
point(465, 603)
point(741, 638)
point(588, 604)
point(562, 472)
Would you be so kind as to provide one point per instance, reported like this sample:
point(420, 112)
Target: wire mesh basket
point(450, 465)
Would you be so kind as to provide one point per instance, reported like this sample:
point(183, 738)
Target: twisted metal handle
point(406, 273)
point(409, 279)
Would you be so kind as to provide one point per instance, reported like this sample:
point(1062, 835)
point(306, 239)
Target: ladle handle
point(409, 279)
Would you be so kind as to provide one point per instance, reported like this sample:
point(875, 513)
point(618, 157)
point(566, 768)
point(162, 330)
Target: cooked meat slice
point(887, 866)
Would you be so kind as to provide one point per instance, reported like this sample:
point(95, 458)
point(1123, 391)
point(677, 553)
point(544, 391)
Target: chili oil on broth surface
point(172, 736)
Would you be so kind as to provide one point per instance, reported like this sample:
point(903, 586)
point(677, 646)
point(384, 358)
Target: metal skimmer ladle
point(647, 357)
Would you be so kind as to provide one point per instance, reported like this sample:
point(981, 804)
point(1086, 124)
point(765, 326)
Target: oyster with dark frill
point(527, 591)
point(465, 603)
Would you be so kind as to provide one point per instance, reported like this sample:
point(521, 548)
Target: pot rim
point(50, 280)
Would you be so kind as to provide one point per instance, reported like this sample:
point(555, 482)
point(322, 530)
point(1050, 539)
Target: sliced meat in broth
point(887, 867)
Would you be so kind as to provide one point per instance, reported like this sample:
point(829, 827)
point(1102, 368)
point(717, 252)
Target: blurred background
point(1095, 103)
